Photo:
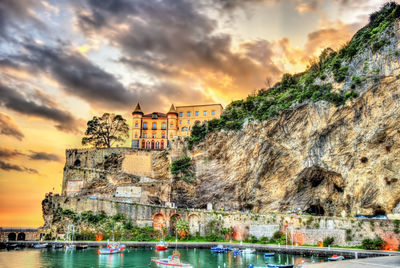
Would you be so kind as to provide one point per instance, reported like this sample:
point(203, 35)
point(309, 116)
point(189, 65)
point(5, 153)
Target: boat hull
point(165, 264)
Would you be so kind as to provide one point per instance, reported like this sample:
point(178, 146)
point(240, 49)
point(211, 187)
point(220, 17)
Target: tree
point(182, 228)
point(104, 131)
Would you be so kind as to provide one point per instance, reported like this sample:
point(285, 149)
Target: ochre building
point(156, 130)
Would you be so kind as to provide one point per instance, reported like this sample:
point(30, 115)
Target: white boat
point(41, 245)
point(171, 261)
point(336, 258)
point(112, 248)
point(248, 251)
point(70, 247)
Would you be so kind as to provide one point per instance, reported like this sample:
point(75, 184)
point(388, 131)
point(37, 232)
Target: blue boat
point(280, 265)
point(218, 249)
point(269, 254)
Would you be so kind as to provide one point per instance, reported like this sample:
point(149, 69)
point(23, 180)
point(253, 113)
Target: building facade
point(156, 130)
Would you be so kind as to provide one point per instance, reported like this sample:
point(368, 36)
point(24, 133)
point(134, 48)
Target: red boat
point(161, 246)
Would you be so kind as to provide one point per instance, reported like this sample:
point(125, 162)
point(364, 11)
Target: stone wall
point(306, 229)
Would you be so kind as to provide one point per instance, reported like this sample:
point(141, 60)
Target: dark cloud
point(6, 153)
point(11, 167)
point(43, 156)
point(14, 12)
point(77, 74)
point(27, 105)
point(170, 38)
point(9, 128)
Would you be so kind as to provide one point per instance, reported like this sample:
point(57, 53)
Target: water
point(133, 257)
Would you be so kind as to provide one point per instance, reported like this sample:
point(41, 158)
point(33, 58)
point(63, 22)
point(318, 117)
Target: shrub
point(212, 237)
point(373, 244)
point(181, 168)
point(328, 241)
point(253, 239)
point(182, 228)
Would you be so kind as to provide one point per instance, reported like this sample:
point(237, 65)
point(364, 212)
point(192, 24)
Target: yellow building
point(155, 130)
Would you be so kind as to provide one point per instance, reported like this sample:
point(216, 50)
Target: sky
point(63, 62)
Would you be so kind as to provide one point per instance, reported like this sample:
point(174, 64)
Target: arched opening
point(143, 144)
point(158, 221)
point(21, 236)
point(152, 144)
point(162, 145)
point(148, 145)
point(157, 145)
point(194, 223)
point(77, 163)
point(172, 223)
point(12, 237)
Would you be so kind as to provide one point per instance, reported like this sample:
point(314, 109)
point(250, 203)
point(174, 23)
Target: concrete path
point(387, 262)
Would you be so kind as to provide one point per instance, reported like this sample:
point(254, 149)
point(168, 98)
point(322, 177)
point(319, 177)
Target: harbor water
point(140, 257)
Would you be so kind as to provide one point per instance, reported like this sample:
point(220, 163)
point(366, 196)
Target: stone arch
point(12, 237)
point(173, 218)
point(21, 236)
point(77, 163)
point(159, 220)
point(194, 223)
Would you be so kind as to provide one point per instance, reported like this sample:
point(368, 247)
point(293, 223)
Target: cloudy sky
point(62, 62)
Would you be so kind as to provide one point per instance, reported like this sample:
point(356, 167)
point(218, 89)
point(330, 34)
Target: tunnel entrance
point(12, 237)
point(21, 236)
point(316, 210)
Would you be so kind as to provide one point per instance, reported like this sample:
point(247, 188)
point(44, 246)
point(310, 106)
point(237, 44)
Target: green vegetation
point(328, 241)
point(293, 90)
point(375, 244)
point(396, 224)
point(182, 228)
point(182, 169)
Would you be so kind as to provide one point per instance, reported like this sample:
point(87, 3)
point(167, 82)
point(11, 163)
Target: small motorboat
point(236, 252)
point(112, 248)
point(70, 247)
point(248, 251)
point(172, 261)
point(271, 265)
point(41, 245)
point(218, 249)
point(57, 246)
point(80, 247)
point(161, 245)
point(335, 257)
point(269, 254)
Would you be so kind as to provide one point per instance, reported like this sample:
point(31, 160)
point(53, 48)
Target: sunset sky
point(62, 62)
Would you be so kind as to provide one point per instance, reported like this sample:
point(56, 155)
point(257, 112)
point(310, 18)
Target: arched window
point(163, 126)
point(162, 145)
point(144, 125)
point(143, 144)
point(136, 124)
point(157, 145)
point(154, 125)
point(148, 145)
point(152, 144)
point(163, 135)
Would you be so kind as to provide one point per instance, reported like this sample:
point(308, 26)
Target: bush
point(212, 237)
point(373, 244)
point(253, 239)
point(182, 228)
point(328, 241)
point(181, 168)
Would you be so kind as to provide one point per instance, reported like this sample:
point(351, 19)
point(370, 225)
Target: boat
point(57, 246)
point(335, 257)
point(248, 251)
point(171, 261)
point(161, 245)
point(70, 247)
point(112, 248)
point(280, 265)
point(41, 245)
point(269, 254)
point(80, 247)
point(218, 249)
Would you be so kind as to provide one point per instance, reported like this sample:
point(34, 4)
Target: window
point(188, 114)
point(180, 122)
point(196, 113)
point(171, 125)
point(170, 136)
point(163, 126)
point(188, 121)
point(205, 113)
point(144, 135)
point(213, 112)
point(154, 125)
point(153, 136)
point(180, 114)
point(136, 124)
point(135, 135)
point(144, 125)
point(163, 136)
point(184, 129)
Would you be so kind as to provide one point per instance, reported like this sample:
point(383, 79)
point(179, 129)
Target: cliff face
point(316, 157)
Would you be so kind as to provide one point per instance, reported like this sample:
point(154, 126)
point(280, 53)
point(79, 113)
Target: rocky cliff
point(315, 156)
